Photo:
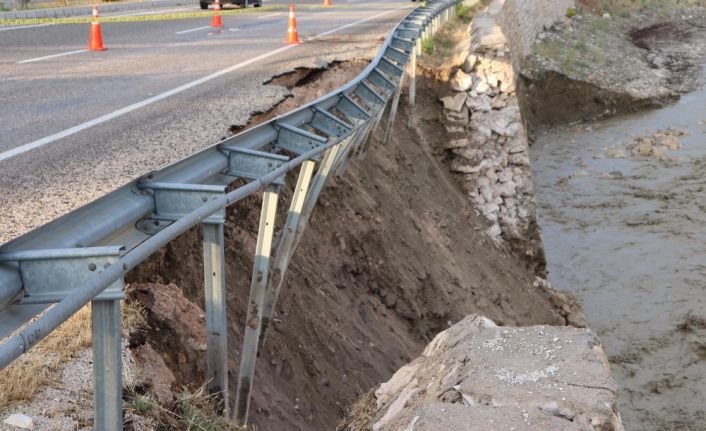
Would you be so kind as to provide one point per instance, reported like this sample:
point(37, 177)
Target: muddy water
point(632, 246)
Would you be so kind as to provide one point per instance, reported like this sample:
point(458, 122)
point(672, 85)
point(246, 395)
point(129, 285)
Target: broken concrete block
point(476, 376)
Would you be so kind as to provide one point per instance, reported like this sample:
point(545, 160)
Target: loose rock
point(20, 421)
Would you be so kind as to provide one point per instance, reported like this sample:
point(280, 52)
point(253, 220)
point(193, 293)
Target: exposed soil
point(394, 253)
point(596, 66)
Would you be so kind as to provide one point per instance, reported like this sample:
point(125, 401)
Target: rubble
point(478, 376)
point(656, 145)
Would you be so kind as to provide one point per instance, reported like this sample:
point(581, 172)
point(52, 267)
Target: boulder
point(616, 154)
point(492, 80)
point(470, 63)
point(481, 87)
point(456, 143)
point(667, 141)
point(481, 103)
point(643, 148)
point(454, 102)
point(463, 167)
point(461, 81)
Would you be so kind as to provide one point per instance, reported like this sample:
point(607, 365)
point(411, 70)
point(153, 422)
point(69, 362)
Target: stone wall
point(486, 135)
point(522, 20)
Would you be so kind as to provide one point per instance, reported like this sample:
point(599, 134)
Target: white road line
point(22, 27)
point(270, 15)
point(193, 29)
point(63, 54)
point(154, 12)
point(135, 106)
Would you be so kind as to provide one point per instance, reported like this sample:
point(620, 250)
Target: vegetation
point(624, 7)
point(40, 366)
point(428, 45)
point(463, 12)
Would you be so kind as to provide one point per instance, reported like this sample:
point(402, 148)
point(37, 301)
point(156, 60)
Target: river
point(628, 237)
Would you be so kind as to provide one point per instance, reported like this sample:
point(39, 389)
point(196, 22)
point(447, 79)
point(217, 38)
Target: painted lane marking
point(47, 57)
point(146, 102)
point(193, 29)
point(270, 15)
point(154, 12)
point(22, 27)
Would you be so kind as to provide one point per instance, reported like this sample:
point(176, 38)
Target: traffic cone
point(328, 3)
point(216, 17)
point(95, 37)
point(292, 35)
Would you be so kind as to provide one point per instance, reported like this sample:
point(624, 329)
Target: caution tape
point(153, 17)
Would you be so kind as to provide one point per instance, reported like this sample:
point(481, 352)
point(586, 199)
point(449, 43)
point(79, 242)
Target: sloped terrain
point(394, 253)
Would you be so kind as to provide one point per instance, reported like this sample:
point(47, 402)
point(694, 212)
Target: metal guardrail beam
point(93, 247)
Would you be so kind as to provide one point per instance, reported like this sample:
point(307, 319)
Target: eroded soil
point(393, 254)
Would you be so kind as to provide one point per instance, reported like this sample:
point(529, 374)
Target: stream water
point(628, 237)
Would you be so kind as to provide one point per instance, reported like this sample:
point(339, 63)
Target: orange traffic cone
point(327, 3)
point(292, 35)
point(216, 17)
point(95, 38)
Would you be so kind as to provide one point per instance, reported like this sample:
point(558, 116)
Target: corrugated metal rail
point(50, 273)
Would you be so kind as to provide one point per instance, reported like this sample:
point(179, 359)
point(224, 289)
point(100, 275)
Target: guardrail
point(50, 273)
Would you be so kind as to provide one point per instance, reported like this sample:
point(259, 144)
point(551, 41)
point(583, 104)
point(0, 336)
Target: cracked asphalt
point(157, 95)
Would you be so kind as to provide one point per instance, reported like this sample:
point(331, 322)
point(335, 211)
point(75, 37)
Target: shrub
point(428, 45)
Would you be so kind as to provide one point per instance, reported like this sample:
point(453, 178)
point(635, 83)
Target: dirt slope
point(394, 254)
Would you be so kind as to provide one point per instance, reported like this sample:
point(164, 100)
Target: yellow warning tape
point(153, 17)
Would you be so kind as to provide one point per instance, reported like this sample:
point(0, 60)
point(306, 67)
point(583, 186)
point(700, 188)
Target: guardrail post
point(253, 320)
point(348, 148)
point(107, 366)
point(285, 249)
point(216, 320)
point(312, 196)
point(365, 141)
point(393, 109)
point(412, 72)
point(317, 185)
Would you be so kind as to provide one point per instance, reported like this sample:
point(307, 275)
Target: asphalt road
point(76, 126)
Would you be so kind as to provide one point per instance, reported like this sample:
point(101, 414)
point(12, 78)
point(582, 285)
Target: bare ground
point(394, 253)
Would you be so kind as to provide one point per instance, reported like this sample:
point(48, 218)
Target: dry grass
point(193, 411)
point(626, 6)
point(39, 368)
point(362, 414)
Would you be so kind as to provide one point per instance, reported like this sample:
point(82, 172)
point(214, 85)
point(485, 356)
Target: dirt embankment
point(601, 61)
point(394, 253)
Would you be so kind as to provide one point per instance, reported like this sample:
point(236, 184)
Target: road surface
point(75, 125)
